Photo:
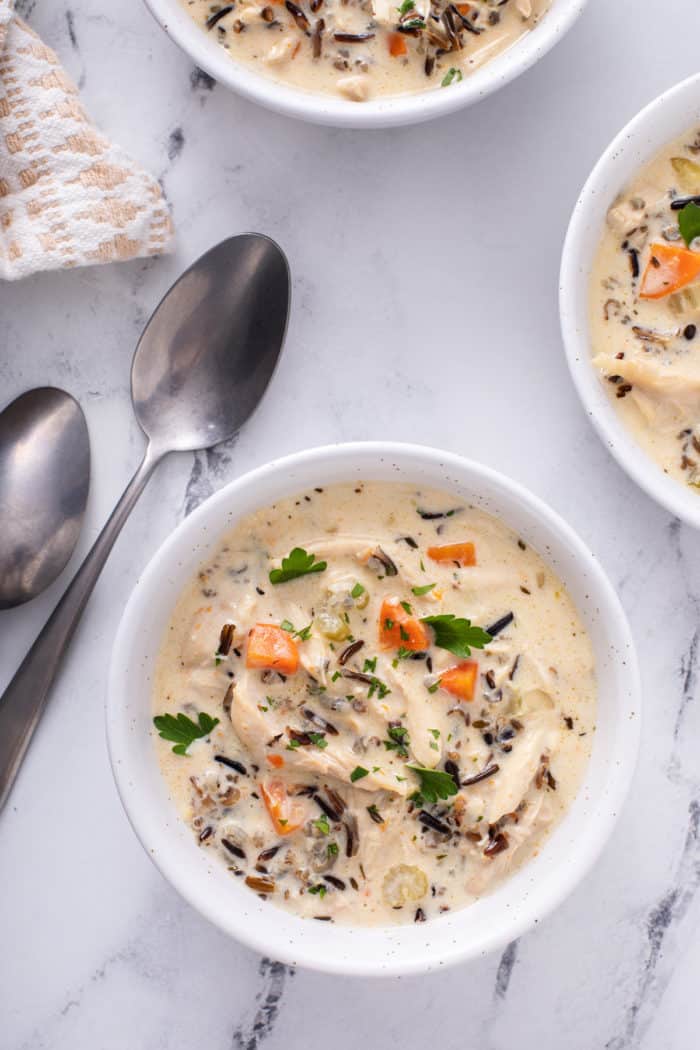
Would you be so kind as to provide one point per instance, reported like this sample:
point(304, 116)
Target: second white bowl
point(376, 113)
point(663, 120)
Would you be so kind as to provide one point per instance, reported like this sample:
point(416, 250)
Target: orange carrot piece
point(285, 813)
point(276, 761)
point(269, 647)
point(464, 553)
point(397, 45)
point(670, 267)
point(463, 9)
point(460, 680)
point(398, 629)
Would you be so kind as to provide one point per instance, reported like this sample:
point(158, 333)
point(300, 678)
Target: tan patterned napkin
point(68, 196)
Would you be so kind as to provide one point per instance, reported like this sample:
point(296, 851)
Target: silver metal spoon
point(200, 369)
point(44, 484)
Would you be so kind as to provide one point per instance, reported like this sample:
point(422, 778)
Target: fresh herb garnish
point(319, 889)
point(182, 730)
point(398, 741)
point(407, 608)
point(406, 6)
point(322, 825)
point(452, 76)
point(297, 563)
point(401, 654)
point(689, 222)
point(457, 635)
point(358, 773)
point(357, 591)
point(318, 739)
point(304, 634)
point(434, 687)
point(370, 665)
point(434, 784)
point(378, 687)
point(332, 849)
point(420, 591)
point(413, 23)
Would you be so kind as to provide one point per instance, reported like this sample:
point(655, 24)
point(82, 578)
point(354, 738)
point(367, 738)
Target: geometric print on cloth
point(68, 196)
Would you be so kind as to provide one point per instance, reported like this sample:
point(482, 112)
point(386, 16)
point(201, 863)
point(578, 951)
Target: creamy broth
point(360, 771)
point(362, 49)
point(645, 309)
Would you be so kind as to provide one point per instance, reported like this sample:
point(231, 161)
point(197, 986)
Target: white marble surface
point(425, 267)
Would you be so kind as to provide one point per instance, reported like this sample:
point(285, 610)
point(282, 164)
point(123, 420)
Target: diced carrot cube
point(286, 814)
point(670, 268)
point(398, 629)
point(460, 680)
point(397, 45)
point(271, 648)
point(464, 553)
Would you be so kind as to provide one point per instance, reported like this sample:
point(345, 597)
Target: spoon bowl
point(209, 338)
point(44, 484)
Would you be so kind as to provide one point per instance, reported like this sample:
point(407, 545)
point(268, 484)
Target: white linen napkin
point(68, 196)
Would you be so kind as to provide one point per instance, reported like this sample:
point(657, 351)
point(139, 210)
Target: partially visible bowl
point(377, 113)
point(492, 921)
point(663, 120)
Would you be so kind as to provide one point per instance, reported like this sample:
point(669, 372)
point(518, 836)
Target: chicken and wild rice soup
point(361, 49)
point(373, 703)
point(645, 308)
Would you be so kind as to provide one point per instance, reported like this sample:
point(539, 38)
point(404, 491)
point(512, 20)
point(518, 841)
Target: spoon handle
point(23, 702)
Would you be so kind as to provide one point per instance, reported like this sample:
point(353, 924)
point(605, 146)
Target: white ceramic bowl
point(494, 920)
point(658, 124)
point(378, 113)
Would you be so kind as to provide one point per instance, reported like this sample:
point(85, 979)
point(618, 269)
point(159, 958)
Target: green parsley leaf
point(457, 635)
point(370, 665)
point(287, 626)
point(297, 563)
point(689, 222)
point(358, 773)
point(413, 23)
point(451, 76)
point(293, 744)
point(182, 730)
point(398, 741)
point(434, 784)
point(322, 825)
point(435, 733)
point(332, 849)
point(319, 889)
point(357, 591)
point(406, 6)
point(434, 687)
point(318, 739)
point(407, 608)
point(420, 591)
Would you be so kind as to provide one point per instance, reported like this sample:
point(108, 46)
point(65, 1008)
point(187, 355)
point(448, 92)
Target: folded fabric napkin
point(68, 196)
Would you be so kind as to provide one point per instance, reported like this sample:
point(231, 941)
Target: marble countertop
point(425, 262)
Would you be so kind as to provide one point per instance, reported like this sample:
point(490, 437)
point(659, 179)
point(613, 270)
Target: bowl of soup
point(365, 63)
point(630, 299)
point(373, 709)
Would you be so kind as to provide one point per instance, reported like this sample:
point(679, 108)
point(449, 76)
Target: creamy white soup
point(362, 49)
point(645, 308)
point(374, 703)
